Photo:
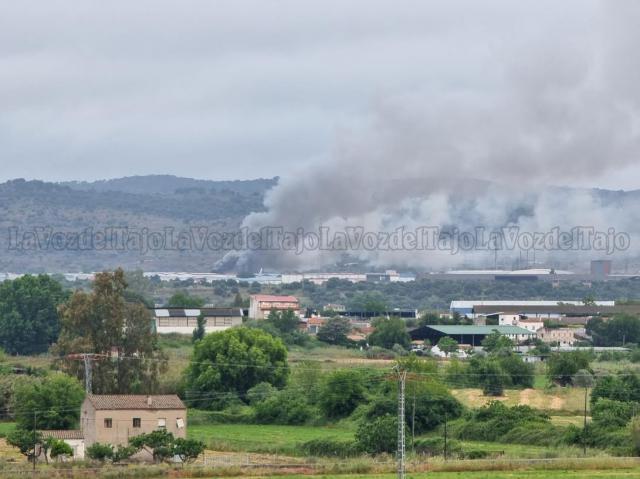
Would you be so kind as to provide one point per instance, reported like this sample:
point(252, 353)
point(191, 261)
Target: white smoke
point(564, 110)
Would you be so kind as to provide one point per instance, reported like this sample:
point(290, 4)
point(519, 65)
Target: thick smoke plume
point(563, 111)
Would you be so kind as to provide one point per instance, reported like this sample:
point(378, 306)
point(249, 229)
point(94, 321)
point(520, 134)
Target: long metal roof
point(464, 329)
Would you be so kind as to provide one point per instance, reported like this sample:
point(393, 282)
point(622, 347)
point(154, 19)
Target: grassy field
point(6, 428)
point(620, 474)
point(263, 438)
point(553, 399)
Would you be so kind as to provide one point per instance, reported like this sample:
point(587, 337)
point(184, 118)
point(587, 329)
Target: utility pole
point(402, 376)
point(34, 440)
point(584, 429)
point(87, 373)
point(87, 359)
point(445, 436)
point(413, 422)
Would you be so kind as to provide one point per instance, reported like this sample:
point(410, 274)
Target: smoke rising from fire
point(562, 110)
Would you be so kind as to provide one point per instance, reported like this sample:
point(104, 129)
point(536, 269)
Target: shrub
point(520, 374)
point(330, 447)
point(58, 448)
point(500, 423)
point(432, 404)
point(284, 407)
point(562, 367)
point(389, 331)
point(260, 392)
point(379, 435)
point(489, 375)
point(99, 452)
point(341, 392)
point(187, 450)
point(610, 414)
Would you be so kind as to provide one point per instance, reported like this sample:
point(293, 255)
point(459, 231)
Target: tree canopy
point(182, 299)
point(29, 321)
point(389, 331)
point(335, 331)
point(120, 332)
point(53, 402)
point(233, 361)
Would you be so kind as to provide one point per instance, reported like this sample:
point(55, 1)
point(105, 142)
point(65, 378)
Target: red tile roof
point(63, 434)
point(123, 401)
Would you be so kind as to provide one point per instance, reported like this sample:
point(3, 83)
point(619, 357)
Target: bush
point(58, 448)
point(260, 392)
point(499, 423)
point(389, 332)
point(610, 414)
point(284, 407)
point(99, 452)
point(379, 435)
point(433, 403)
point(330, 447)
point(520, 374)
point(489, 375)
point(623, 387)
point(562, 367)
point(341, 392)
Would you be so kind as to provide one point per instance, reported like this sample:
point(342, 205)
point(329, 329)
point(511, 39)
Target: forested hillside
point(31, 211)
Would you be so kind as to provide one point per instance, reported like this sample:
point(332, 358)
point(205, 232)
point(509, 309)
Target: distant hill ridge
point(154, 202)
point(163, 184)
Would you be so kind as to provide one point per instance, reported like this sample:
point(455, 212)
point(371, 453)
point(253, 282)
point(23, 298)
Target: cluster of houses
point(559, 323)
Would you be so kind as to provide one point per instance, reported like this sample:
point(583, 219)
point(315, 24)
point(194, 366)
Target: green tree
point(238, 302)
point(521, 374)
point(562, 367)
point(617, 331)
point(234, 361)
point(389, 331)
point(182, 299)
point(99, 452)
point(58, 449)
point(159, 441)
point(26, 441)
point(495, 342)
point(285, 321)
point(624, 387)
point(634, 429)
point(379, 435)
point(372, 302)
point(199, 332)
point(29, 321)
point(188, 450)
point(122, 453)
point(335, 331)
point(56, 399)
point(104, 323)
point(430, 318)
point(448, 345)
point(341, 392)
point(488, 374)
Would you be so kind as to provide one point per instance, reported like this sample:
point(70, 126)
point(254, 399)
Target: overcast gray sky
point(243, 89)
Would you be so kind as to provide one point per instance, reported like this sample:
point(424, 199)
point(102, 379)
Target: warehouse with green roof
point(472, 335)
